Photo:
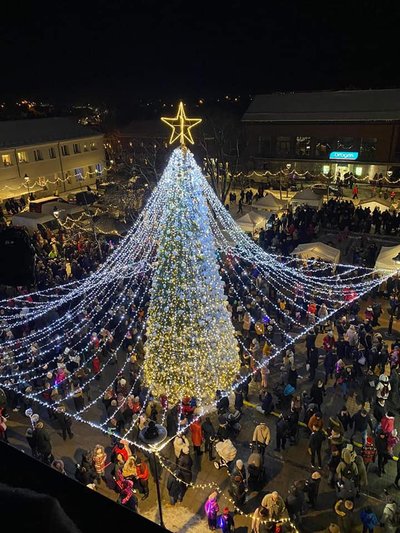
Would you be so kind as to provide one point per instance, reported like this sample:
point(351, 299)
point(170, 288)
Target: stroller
point(255, 465)
point(227, 453)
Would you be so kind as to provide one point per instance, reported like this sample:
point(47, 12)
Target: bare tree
point(220, 148)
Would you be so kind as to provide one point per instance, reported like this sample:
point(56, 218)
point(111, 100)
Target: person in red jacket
point(96, 366)
point(142, 475)
point(196, 434)
point(329, 341)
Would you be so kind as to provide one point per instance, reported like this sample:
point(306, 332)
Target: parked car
point(321, 188)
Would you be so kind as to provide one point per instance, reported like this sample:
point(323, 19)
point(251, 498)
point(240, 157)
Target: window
point(85, 148)
point(93, 146)
point(303, 146)
point(264, 146)
point(37, 154)
point(64, 149)
point(345, 143)
point(52, 153)
point(79, 174)
point(99, 168)
point(323, 147)
point(368, 148)
point(76, 147)
point(6, 158)
point(283, 145)
point(22, 157)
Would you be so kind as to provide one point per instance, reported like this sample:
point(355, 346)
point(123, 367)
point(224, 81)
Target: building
point(325, 132)
point(48, 155)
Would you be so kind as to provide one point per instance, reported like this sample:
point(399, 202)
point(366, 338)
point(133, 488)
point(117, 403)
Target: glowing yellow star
point(181, 126)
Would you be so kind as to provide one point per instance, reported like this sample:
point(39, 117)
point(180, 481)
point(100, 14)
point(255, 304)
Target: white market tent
point(308, 197)
point(372, 204)
point(270, 203)
point(317, 250)
point(252, 220)
point(384, 261)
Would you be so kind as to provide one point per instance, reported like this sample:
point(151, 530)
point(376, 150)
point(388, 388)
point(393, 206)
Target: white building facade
point(47, 156)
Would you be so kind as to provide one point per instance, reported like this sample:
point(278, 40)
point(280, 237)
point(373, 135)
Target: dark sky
point(120, 49)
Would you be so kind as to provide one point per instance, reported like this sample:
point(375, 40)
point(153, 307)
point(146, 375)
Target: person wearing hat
point(312, 488)
point(211, 509)
point(226, 522)
point(344, 510)
point(383, 387)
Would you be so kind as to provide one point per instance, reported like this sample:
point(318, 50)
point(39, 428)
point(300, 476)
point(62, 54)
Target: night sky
point(171, 48)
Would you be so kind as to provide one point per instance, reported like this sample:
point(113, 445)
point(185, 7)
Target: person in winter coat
point(211, 509)
point(196, 434)
point(383, 387)
point(362, 472)
point(65, 422)
point(369, 520)
point(390, 517)
point(275, 505)
point(344, 510)
point(361, 421)
point(317, 393)
point(237, 489)
point(42, 443)
point(142, 475)
point(312, 488)
point(175, 486)
point(226, 522)
point(99, 462)
point(179, 442)
point(185, 465)
point(315, 421)
point(368, 452)
point(382, 451)
point(262, 436)
point(209, 437)
point(317, 437)
point(127, 497)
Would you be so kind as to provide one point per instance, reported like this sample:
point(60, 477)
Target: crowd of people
point(354, 365)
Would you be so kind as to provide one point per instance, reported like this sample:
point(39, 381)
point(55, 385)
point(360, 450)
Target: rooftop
point(15, 133)
point(326, 106)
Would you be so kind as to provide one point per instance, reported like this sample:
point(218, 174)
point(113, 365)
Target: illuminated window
point(283, 145)
point(64, 149)
point(93, 146)
point(37, 154)
point(52, 153)
point(6, 158)
point(358, 171)
point(303, 146)
point(42, 182)
point(79, 174)
point(76, 147)
point(85, 148)
point(326, 169)
point(99, 168)
point(22, 157)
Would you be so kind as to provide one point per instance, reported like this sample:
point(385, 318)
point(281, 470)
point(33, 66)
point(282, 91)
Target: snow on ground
point(179, 519)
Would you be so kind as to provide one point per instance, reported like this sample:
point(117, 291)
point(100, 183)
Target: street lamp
point(153, 435)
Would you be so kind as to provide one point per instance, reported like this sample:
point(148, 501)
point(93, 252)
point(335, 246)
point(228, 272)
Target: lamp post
point(153, 435)
point(27, 180)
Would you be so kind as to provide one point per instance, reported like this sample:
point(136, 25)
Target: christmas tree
point(191, 347)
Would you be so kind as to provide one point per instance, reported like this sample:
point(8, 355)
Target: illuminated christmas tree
point(191, 347)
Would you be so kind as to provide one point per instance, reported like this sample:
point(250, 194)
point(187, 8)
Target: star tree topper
point(181, 126)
